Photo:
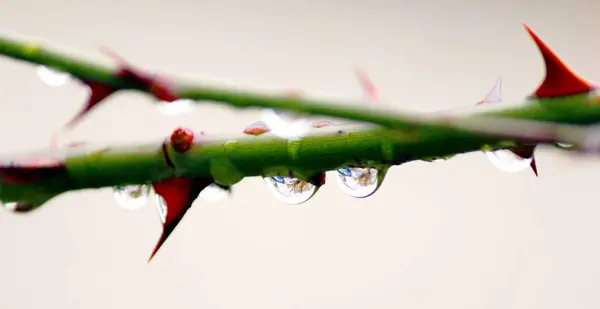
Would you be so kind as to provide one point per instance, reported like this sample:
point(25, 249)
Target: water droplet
point(214, 193)
point(52, 77)
point(289, 190)
point(177, 107)
point(565, 145)
point(284, 125)
point(132, 197)
point(161, 207)
point(358, 182)
point(17, 207)
point(507, 161)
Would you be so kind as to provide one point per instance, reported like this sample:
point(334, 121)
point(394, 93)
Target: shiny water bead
point(214, 193)
point(52, 77)
point(177, 107)
point(505, 160)
point(358, 182)
point(132, 197)
point(17, 207)
point(290, 190)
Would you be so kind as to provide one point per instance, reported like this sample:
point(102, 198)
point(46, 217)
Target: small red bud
point(182, 139)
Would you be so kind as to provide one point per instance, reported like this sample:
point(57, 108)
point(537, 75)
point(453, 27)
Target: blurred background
point(455, 234)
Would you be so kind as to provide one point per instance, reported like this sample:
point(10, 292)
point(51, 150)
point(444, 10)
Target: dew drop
point(565, 145)
point(161, 207)
point(213, 193)
point(358, 182)
point(17, 207)
point(177, 107)
point(132, 197)
point(289, 190)
point(506, 161)
point(52, 77)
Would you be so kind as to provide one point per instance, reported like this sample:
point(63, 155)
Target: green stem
point(398, 138)
point(87, 70)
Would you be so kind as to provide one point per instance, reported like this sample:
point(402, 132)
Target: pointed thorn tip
point(560, 80)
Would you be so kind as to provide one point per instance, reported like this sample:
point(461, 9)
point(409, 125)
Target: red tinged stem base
point(31, 172)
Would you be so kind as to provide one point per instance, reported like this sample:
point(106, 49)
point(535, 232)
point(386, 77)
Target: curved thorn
point(560, 80)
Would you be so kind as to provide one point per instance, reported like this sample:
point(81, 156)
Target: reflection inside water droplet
point(505, 160)
point(177, 107)
point(161, 207)
point(289, 190)
point(358, 182)
point(131, 197)
point(52, 77)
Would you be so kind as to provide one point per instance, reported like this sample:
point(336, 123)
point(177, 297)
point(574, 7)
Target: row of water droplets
point(356, 182)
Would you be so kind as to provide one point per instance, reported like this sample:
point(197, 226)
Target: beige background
point(458, 234)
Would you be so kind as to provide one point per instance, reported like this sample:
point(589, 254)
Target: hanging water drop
point(358, 182)
point(177, 107)
point(17, 207)
point(52, 77)
point(290, 190)
point(565, 146)
point(161, 207)
point(505, 160)
point(214, 193)
point(132, 197)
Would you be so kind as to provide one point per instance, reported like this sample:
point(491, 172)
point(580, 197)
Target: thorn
point(560, 80)
point(526, 152)
point(322, 124)
point(155, 86)
point(178, 194)
point(495, 94)
point(98, 92)
point(367, 85)
point(534, 167)
point(257, 128)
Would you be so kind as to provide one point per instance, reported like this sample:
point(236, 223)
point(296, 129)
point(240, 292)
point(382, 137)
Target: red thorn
point(367, 85)
point(526, 152)
point(178, 194)
point(534, 167)
point(495, 94)
point(98, 92)
point(182, 139)
point(156, 86)
point(321, 124)
point(256, 130)
point(560, 80)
